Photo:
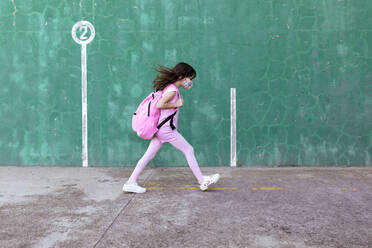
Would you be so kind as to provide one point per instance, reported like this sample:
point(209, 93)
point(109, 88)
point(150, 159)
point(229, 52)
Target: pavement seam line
point(124, 207)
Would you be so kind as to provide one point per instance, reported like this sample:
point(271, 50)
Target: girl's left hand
point(179, 103)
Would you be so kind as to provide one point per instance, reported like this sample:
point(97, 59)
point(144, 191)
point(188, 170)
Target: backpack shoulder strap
point(167, 119)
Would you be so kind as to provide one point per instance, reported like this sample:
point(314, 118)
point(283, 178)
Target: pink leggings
point(181, 144)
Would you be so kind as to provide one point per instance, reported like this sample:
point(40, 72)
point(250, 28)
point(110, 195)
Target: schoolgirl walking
point(167, 84)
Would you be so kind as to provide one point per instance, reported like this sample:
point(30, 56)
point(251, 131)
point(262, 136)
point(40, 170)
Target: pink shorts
point(166, 134)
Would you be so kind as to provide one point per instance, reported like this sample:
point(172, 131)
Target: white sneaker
point(209, 180)
point(133, 188)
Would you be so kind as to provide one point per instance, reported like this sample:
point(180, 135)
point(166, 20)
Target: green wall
point(302, 70)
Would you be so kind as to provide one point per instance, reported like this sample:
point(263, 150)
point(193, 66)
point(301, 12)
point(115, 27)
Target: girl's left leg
point(153, 148)
point(181, 144)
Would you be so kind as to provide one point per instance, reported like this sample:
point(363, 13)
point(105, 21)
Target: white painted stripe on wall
point(233, 128)
point(84, 104)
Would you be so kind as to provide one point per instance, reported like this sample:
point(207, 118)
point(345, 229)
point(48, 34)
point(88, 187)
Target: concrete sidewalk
point(248, 207)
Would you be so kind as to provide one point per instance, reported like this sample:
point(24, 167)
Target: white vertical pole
point(233, 128)
point(83, 41)
point(84, 104)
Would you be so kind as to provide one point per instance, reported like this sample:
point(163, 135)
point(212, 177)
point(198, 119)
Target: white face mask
point(187, 84)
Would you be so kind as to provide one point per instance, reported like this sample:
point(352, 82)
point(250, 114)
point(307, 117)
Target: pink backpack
point(145, 119)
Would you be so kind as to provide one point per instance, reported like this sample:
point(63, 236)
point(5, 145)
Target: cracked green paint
point(302, 71)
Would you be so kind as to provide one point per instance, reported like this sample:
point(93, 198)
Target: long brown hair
point(167, 76)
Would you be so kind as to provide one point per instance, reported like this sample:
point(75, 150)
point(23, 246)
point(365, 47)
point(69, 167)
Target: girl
point(169, 81)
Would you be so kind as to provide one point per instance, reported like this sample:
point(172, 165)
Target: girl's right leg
point(205, 181)
point(153, 148)
point(181, 144)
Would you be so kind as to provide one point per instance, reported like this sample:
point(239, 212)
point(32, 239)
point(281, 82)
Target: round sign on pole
point(83, 26)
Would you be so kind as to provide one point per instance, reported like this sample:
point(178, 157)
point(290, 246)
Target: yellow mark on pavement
point(187, 188)
point(155, 188)
point(35, 187)
point(267, 188)
point(224, 188)
point(58, 188)
point(351, 189)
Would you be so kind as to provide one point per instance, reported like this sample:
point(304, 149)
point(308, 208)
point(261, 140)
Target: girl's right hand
point(179, 103)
